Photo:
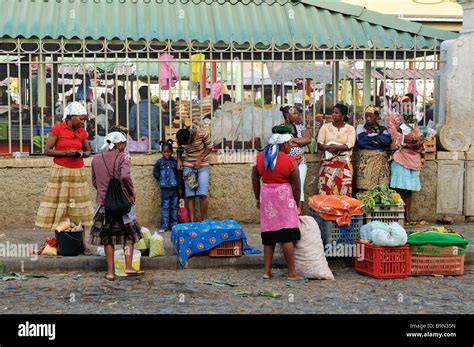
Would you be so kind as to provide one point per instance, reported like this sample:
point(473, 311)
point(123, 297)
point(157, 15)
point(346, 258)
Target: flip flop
point(134, 273)
point(110, 277)
point(266, 278)
point(302, 280)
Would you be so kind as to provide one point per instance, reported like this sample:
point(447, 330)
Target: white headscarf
point(270, 152)
point(74, 109)
point(111, 139)
point(278, 139)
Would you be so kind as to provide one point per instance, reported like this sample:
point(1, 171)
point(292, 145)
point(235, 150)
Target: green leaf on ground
point(269, 294)
point(20, 276)
point(220, 284)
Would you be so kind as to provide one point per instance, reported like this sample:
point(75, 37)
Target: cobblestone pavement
point(184, 292)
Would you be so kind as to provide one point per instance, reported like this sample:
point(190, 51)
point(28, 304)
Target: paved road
point(184, 292)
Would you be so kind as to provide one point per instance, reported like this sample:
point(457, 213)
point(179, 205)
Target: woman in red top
point(67, 192)
point(276, 183)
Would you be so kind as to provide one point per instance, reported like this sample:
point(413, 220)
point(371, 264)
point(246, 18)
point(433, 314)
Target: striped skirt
point(67, 195)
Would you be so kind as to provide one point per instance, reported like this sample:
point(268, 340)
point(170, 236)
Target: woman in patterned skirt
point(112, 231)
point(67, 193)
point(336, 140)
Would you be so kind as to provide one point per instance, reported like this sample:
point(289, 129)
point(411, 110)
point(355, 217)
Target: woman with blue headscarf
point(276, 183)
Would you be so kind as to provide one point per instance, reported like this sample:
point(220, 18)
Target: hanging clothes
point(346, 93)
point(168, 74)
point(217, 90)
point(412, 87)
point(196, 67)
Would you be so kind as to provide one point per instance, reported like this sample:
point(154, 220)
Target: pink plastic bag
point(141, 145)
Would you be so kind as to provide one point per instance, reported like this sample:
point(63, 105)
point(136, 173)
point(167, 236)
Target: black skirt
point(113, 232)
point(270, 238)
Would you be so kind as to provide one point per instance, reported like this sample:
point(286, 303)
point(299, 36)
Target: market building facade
point(225, 65)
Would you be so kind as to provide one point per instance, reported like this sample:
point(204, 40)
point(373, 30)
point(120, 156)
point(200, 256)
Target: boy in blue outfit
point(169, 179)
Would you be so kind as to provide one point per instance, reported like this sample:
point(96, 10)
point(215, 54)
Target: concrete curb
point(170, 262)
point(96, 263)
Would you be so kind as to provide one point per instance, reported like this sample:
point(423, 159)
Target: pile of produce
point(380, 195)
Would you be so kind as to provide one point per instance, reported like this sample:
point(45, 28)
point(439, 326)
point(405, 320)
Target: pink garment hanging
point(168, 74)
point(411, 87)
point(382, 89)
point(217, 90)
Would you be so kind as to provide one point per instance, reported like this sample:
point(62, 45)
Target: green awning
point(282, 22)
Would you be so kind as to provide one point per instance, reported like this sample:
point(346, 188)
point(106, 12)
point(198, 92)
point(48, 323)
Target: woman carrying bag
point(108, 228)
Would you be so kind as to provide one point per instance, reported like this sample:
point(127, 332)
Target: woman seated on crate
point(110, 231)
point(407, 144)
point(373, 140)
point(67, 192)
point(276, 185)
point(336, 139)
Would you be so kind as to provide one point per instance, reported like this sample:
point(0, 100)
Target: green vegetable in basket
point(379, 195)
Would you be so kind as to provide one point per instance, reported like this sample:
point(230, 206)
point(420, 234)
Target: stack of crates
point(430, 149)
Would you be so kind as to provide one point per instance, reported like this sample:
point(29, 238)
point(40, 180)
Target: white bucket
point(119, 261)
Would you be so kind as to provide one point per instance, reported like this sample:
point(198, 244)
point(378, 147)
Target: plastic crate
point(331, 232)
point(387, 214)
point(422, 265)
point(382, 262)
point(227, 249)
point(435, 251)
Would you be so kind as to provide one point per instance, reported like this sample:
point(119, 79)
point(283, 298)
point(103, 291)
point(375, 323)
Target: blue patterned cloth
point(192, 238)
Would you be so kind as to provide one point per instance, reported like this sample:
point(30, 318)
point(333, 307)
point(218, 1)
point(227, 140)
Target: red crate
point(382, 262)
point(439, 265)
point(227, 249)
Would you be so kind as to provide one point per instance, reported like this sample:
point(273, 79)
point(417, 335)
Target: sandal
point(87, 252)
point(296, 280)
point(110, 277)
point(266, 278)
point(134, 273)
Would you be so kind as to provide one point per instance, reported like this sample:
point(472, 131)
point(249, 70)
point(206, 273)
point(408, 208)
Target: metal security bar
point(235, 91)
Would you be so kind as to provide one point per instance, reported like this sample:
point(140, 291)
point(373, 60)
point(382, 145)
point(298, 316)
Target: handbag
point(183, 214)
point(141, 145)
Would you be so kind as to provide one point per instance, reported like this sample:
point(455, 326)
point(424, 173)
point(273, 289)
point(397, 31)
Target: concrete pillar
point(450, 185)
point(455, 101)
point(456, 86)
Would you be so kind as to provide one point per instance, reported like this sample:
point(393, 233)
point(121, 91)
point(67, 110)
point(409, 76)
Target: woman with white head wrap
point(276, 183)
point(106, 231)
point(112, 139)
point(67, 194)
